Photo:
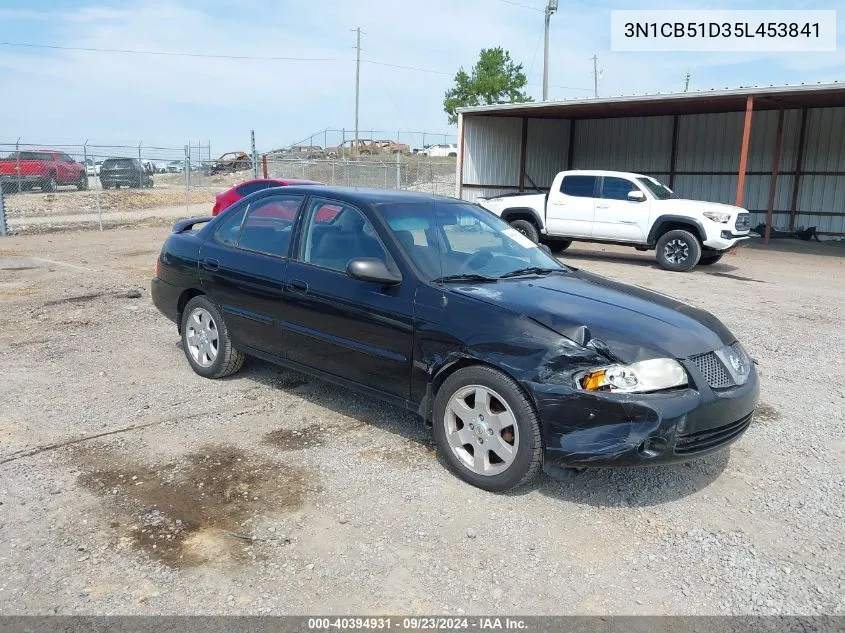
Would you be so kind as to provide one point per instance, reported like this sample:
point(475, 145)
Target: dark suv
point(128, 172)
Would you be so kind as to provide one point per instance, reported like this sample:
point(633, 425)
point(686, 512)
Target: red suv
point(231, 196)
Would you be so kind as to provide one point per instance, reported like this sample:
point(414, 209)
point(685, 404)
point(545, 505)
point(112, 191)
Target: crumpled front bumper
point(610, 430)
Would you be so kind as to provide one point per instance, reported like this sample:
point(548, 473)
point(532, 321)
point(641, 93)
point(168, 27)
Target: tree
point(495, 78)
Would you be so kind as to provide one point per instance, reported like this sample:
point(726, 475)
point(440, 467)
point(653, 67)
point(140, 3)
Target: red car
point(231, 196)
point(44, 168)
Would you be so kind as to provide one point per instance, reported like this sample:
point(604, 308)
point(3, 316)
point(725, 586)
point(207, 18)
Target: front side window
point(336, 233)
point(461, 239)
point(613, 188)
point(657, 188)
point(579, 186)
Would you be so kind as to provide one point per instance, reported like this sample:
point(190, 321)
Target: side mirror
point(636, 196)
point(545, 248)
point(372, 269)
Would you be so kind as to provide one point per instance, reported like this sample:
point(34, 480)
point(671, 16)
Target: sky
point(54, 96)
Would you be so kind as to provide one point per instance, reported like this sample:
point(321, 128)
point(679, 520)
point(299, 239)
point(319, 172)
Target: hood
point(635, 323)
point(703, 205)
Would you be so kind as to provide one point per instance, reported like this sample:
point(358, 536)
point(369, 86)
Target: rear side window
point(251, 187)
point(269, 225)
point(230, 229)
point(617, 188)
point(579, 186)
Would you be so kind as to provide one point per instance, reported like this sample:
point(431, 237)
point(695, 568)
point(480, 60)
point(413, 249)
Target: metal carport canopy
point(801, 98)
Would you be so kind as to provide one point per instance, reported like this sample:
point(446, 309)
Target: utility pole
point(357, 85)
point(686, 82)
point(550, 8)
point(595, 76)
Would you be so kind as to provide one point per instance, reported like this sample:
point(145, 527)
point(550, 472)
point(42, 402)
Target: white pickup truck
point(623, 208)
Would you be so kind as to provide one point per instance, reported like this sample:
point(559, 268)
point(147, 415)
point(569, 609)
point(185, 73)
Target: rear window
point(33, 156)
point(125, 163)
point(579, 186)
point(251, 187)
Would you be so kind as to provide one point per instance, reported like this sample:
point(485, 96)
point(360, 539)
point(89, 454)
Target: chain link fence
point(55, 187)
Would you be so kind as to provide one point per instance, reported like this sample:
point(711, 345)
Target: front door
point(242, 268)
point(571, 206)
point(356, 330)
point(618, 218)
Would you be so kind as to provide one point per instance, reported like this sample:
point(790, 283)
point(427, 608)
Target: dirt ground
point(130, 485)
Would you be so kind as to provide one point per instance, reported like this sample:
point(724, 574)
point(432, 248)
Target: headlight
point(642, 377)
point(718, 216)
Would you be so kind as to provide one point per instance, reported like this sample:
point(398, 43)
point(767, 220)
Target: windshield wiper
point(464, 277)
point(532, 270)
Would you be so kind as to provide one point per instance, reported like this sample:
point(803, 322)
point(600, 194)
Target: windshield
point(657, 189)
point(448, 239)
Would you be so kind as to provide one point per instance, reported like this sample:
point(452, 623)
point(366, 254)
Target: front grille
point(713, 370)
point(743, 222)
point(689, 443)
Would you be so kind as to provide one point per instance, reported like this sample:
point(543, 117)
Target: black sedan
point(516, 361)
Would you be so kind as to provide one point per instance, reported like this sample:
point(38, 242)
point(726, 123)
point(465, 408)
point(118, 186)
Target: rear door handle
point(211, 264)
point(298, 285)
point(602, 206)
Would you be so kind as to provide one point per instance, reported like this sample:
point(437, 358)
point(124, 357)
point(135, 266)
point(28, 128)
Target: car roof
point(362, 196)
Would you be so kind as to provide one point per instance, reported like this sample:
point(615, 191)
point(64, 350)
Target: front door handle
point(602, 206)
point(298, 285)
point(211, 264)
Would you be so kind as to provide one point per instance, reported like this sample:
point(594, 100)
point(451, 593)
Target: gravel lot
point(132, 486)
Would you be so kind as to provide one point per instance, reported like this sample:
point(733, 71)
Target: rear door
point(242, 267)
point(571, 206)
point(617, 217)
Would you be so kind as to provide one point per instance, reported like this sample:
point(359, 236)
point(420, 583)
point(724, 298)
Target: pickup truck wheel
point(49, 185)
point(82, 184)
point(678, 250)
point(487, 430)
point(709, 258)
point(527, 229)
point(558, 246)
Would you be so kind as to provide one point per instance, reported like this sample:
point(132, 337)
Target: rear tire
point(708, 259)
point(494, 444)
point(50, 184)
point(206, 341)
point(527, 229)
point(558, 246)
point(82, 184)
point(678, 250)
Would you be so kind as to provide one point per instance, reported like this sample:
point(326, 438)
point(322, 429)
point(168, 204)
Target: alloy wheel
point(676, 251)
point(481, 430)
point(202, 337)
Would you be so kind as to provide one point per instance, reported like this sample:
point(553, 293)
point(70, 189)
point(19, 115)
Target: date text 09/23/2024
point(418, 623)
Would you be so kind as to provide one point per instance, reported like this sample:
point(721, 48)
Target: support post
point(3, 229)
point(743, 156)
point(264, 165)
point(673, 152)
point(398, 170)
point(18, 163)
point(522, 154)
point(570, 153)
point(773, 181)
point(799, 165)
point(357, 84)
point(459, 170)
point(254, 155)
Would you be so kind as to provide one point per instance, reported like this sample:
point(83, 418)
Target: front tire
point(206, 341)
point(527, 229)
point(708, 259)
point(487, 430)
point(50, 184)
point(678, 250)
point(82, 184)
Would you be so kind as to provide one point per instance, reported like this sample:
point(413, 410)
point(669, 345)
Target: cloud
point(166, 100)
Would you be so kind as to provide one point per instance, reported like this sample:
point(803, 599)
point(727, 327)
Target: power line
point(171, 53)
point(519, 4)
point(242, 57)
